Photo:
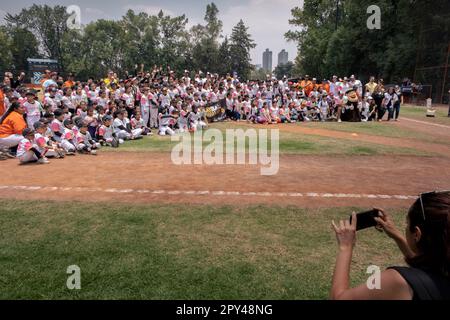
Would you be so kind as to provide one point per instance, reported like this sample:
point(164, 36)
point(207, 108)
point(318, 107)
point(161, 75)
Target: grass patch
point(290, 143)
point(382, 129)
point(177, 252)
point(419, 113)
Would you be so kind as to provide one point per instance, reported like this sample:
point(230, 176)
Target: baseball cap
point(27, 132)
point(38, 125)
point(107, 118)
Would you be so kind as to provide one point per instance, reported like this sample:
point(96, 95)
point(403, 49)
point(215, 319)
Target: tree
point(224, 66)
point(241, 44)
point(48, 24)
point(258, 74)
point(24, 45)
point(141, 35)
point(213, 24)
point(103, 48)
point(285, 69)
point(206, 49)
point(342, 44)
point(6, 59)
point(173, 45)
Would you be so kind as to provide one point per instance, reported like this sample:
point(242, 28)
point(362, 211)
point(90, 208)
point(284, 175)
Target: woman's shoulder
point(425, 284)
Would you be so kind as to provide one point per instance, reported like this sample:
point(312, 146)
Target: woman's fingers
point(380, 221)
point(335, 227)
point(347, 224)
point(381, 213)
point(354, 218)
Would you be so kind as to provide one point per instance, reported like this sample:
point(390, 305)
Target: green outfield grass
point(382, 129)
point(298, 143)
point(419, 113)
point(177, 252)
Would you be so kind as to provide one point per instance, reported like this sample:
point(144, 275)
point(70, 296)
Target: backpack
point(426, 286)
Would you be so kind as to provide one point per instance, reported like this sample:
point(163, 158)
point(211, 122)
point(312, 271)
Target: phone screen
point(366, 219)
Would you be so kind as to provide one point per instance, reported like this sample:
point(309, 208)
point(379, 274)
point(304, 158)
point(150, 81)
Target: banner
point(37, 67)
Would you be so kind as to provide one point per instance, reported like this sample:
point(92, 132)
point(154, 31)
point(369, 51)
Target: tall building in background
point(267, 60)
point(283, 57)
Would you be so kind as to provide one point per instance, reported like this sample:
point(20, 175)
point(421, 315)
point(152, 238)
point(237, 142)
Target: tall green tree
point(141, 34)
point(224, 63)
point(6, 58)
point(24, 45)
point(48, 24)
point(284, 69)
point(206, 50)
point(333, 37)
point(241, 44)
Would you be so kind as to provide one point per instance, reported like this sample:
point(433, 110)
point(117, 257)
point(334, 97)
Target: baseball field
point(140, 227)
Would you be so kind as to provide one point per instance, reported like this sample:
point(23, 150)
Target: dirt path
point(433, 148)
point(308, 181)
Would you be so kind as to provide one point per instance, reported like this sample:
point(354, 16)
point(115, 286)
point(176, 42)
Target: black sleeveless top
point(425, 285)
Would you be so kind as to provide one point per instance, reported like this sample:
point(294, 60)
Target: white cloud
point(95, 11)
point(150, 10)
point(267, 21)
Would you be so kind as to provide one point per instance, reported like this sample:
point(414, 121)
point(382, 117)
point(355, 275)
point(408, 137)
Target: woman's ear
point(417, 234)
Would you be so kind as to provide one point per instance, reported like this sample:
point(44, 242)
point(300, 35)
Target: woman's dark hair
point(14, 106)
point(434, 222)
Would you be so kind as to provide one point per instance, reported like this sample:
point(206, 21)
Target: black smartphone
point(366, 219)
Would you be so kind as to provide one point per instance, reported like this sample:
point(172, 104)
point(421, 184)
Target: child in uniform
point(27, 150)
point(85, 143)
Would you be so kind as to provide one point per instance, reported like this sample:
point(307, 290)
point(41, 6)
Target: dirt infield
point(309, 181)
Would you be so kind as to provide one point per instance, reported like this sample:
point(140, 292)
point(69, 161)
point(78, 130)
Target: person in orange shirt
point(2, 103)
point(325, 85)
point(69, 83)
point(12, 124)
point(309, 86)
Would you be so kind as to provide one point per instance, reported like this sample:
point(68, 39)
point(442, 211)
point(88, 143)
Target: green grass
point(177, 252)
point(382, 129)
point(419, 113)
point(290, 143)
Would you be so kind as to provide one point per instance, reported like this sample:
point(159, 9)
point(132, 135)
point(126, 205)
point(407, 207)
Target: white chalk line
point(210, 193)
point(428, 123)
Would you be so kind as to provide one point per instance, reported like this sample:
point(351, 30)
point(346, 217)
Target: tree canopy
point(41, 31)
point(333, 37)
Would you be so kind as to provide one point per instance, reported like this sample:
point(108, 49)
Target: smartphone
point(366, 219)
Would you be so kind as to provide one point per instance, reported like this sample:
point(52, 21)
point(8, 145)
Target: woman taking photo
point(425, 246)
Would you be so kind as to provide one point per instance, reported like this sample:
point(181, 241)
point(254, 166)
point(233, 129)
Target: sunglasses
point(427, 194)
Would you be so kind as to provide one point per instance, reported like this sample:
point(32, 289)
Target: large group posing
point(81, 117)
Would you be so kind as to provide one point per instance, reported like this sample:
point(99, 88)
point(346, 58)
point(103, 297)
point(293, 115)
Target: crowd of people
point(66, 116)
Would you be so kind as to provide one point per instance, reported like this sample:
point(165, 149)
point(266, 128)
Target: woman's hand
point(346, 233)
point(386, 223)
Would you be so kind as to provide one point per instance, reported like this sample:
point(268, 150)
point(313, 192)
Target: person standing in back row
point(398, 102)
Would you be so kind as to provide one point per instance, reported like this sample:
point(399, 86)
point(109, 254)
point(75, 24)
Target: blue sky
point(267, 19)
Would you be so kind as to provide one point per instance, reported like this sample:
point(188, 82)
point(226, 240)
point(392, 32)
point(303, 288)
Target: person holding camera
point(425, 247)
